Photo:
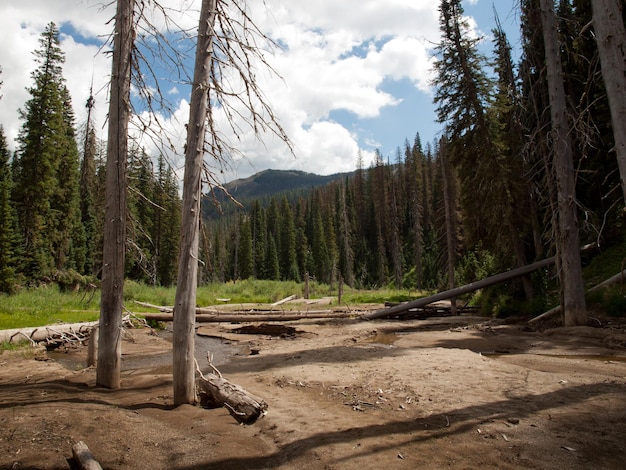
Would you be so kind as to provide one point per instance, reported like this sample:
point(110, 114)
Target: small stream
point(221, 350)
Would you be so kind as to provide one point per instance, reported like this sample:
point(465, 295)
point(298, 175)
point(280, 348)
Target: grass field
point(48, 305)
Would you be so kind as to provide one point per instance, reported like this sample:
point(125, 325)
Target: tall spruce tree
point(7, 222)
point(46, 169)
point(166, 227)
point(88, 184)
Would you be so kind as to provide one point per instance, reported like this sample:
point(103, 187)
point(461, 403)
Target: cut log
point(215, 392)
point(451, 293)
point(84, 458)
point(245, 318)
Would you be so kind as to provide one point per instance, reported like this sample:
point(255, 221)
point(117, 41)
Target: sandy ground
point(453, 392)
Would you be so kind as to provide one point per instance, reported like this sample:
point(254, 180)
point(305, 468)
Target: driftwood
point(78, 331)
point(216, 392)
point(249, 317)
point(84, 458)
point(451, 293)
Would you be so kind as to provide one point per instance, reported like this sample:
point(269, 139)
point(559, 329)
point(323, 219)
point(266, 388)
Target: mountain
point(264, 185)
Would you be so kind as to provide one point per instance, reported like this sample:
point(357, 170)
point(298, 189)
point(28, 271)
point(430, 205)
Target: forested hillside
point(481, 199)
point(485, 196)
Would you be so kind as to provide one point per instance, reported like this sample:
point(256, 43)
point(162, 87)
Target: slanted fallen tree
point(553, 312)
point(407, 307)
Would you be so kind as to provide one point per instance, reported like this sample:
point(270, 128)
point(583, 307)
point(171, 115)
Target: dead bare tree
point(608, 25)
point(228, 49)
point(184, 319)
point(568, 242)
point(109, 344)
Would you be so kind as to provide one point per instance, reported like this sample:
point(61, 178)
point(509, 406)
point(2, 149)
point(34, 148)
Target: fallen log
point(84, 458)
point(161, 308)
point(619, 277)
point(215, 392)
point(247, 317)
point(285, 300)
point(451, 293)
point(42, 333)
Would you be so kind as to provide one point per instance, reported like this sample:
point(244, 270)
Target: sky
point(352, 76)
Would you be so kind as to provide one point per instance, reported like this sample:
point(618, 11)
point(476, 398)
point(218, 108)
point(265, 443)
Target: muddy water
point(158, 363)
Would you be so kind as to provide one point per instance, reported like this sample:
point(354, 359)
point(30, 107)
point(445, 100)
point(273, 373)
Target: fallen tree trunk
point(84, 458)
point(285, 300)
point(215, 392)
point(42, 333)
point(451, 293)
point(247, 317)
point(619, 277)
point(161, 308)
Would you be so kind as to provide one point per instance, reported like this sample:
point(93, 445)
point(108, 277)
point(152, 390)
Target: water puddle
point(220, 350)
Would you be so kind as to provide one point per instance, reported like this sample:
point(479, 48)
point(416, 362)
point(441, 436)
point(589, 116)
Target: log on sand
point(215, 391)
point(84, 458)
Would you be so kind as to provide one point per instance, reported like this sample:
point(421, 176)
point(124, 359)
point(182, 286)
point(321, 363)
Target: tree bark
point(185, 302)
point(608, 25)
point(109, 348)
point(568, 245)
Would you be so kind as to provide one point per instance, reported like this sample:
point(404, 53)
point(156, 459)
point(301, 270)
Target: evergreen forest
point(478, 200)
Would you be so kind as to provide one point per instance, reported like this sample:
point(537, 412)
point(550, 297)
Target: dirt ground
point(450, 392)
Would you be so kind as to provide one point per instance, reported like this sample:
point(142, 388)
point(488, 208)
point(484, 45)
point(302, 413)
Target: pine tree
point(46, 169)
point(140, 260)
point(287, 257)
point(166, 227)
point(88, 184)
point(7, 223)
point(245, 256)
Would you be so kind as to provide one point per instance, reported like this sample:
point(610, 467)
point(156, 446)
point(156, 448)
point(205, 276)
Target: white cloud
point(337, 55)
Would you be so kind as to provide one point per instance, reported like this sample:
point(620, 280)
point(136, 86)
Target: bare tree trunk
point(109, 344)
point(185, 303)
point(568, 245)
point(611, 37)
point(448, 199)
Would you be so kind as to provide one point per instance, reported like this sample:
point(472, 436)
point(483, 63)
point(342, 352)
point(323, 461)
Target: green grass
point(46, 306)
